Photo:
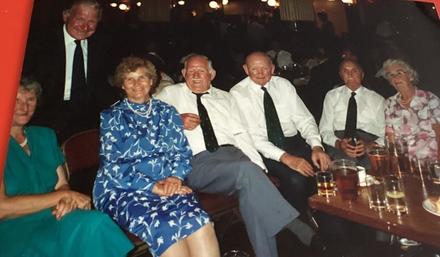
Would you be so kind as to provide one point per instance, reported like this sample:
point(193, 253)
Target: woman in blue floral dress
point(144, 159)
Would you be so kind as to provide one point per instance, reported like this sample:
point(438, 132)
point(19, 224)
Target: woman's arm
point(69, 203)
point(16, 206)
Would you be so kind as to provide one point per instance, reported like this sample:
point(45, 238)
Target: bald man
point(287, 155)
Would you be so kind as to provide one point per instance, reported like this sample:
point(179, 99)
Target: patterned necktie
point(77, 90)
point(211, 143)
point(351, 120)
point(274, 131)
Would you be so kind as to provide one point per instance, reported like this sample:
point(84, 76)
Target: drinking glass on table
point(434, 171)
point(394, 167)
point(395, 195)
point(420, 166)
point(379, 159)
point(376, 195)
point(325, 183)
point(346, 177)
point(403, 158)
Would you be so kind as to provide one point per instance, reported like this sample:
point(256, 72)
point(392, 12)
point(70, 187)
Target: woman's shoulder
point(162, 107)
point(40, 131)
point(114, 108)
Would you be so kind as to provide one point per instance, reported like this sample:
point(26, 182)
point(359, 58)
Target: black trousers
point(294, 187)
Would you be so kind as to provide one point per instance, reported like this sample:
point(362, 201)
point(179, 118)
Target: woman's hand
point(82, 201)
point(71, 201)
point(170, 186)
point(63, 207)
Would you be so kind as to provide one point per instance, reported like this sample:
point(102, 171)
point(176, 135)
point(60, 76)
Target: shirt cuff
point(315, 142)
point(276, 154)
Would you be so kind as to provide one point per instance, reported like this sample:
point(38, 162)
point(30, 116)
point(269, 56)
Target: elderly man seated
point(352, 117)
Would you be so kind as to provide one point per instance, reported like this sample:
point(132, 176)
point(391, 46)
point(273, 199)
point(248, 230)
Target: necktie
point(211, 143)
point(77, 90)
point(351, 120)
point(273, 125)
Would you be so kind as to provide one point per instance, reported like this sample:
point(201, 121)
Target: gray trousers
point(265, 212)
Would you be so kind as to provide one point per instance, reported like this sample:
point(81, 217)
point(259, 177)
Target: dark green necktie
point(211, 143)
point(273, 125)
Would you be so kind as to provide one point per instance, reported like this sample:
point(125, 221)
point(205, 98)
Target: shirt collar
point(257, 88)
point(69, 40)
point(188, 90)
point(357, 91)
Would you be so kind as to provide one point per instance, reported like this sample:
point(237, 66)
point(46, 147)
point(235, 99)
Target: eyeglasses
point(398, 73)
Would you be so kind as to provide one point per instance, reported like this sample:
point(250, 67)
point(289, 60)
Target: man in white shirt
point(232, 166)
point(70, 63)
point(290, 160)
point(369, 125)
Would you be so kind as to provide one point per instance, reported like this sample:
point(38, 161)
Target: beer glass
point(379, 159)
point(346, 177)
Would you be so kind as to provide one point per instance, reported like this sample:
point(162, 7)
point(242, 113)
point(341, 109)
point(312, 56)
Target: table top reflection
point(418, 224)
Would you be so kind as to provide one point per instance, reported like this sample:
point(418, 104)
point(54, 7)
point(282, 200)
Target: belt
point(223, 145)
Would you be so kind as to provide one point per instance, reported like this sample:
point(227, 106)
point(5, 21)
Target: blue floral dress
point(138, 148)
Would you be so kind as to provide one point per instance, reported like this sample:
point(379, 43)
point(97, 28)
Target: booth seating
point(81, 152)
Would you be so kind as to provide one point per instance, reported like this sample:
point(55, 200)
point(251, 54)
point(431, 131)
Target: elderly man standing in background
point(353, 116)
point(69, 63)
point(275, 115)
point(225, 160)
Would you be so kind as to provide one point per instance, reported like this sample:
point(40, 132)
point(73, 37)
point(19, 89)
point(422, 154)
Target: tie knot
point(78, 42)
point(353, 94)
point(199, 95)
point(264, 89)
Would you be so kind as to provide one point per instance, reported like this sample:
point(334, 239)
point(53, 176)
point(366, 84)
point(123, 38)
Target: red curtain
point(14, 27)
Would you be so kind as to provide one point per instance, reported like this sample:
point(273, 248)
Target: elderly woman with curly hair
point(144, 159)
point(412, 113)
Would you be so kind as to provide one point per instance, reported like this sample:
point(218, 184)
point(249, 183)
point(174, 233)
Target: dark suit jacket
point(48, 66)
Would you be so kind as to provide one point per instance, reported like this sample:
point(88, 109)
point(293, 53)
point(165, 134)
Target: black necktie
point(77, 90)
point(273, 125)
point(350, 122)
point(211, 143)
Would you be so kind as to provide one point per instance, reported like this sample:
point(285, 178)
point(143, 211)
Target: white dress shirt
point(293, 114)
point(370, 113)
point(223, 114)
point(70, 45)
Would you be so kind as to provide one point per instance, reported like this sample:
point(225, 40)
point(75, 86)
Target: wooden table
point(418, 224)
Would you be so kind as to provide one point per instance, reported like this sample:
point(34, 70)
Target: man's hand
point(319, 158)
point(190, 120)
point(352, 151)
point(298, 164)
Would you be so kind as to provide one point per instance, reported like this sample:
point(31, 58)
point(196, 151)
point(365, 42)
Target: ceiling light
point(139, 4)
point(123, 7)
point(272, 3)
point(213, 5)
point(113, 4)
point(225, 2)
point(181, 2)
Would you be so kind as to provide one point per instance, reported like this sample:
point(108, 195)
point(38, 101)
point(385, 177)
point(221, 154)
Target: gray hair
point(405, 67)
point(185, 59)
point(71, 4)
point(29, 84)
